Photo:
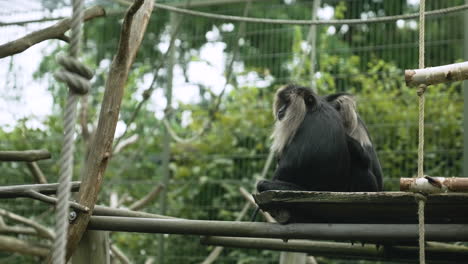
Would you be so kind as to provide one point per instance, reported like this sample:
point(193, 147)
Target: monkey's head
point(289, 108)
point(345, 104)
point(293, 100)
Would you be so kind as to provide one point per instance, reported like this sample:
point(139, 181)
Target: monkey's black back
point(317, 158)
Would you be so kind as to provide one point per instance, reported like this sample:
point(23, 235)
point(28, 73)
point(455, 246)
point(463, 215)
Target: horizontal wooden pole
point(24, 155)
point(434, 251)
point(436, 75)
point(15, 191)
point(346, 232)
point(429, 184)
point(100, 210)
point(14, 245)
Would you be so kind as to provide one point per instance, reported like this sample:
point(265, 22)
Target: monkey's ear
point(310, 99)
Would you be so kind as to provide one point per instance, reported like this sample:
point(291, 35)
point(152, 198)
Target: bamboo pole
point(322, 231)
point(434, 184)
point(436, 75)
point(436, 252)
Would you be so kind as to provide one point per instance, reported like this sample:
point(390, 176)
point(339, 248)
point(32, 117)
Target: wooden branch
point(14, 245)
point(434, 251)
point(42, 230)
point(17, 230)
point(124, 143)
point(435, 75)
point(434, 184)
point(56, 31)
point(150, 260)
point(120, 255)
point(151, 196)
point(251, 200)
point(15, 191)
point(36, 172)
point(100, 210)
point(24, 155)
point(51, 200)
point(131, 35)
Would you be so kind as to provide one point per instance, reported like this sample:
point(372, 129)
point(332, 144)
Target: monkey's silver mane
point(285, 129)
point(348, 112)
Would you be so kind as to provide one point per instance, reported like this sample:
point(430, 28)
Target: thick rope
point(421, 90)
point(421, 200)
point(303, 22)
point(66, 160)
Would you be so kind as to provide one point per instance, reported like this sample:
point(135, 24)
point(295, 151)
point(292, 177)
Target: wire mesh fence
point(365, 59)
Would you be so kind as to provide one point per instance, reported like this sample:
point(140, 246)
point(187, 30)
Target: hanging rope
point(302, 22)
point(76, 76)
point(421, 89)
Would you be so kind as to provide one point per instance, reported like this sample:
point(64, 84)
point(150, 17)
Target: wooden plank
point(379, 207)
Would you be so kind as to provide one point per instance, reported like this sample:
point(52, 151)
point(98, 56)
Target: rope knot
point(420, 197)
point(421, 89)
point(76, 75)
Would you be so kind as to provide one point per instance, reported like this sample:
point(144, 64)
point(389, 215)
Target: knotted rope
point(421, 199)
point(76, 76)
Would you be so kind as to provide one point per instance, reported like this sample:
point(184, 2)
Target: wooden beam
point(132, 32)
point(100, 210)
point(36, 172)
point(436, 75)
point(429, 184)
point(14, 245)
point(435, 252)
point(321, 231)
point(24, 155)
point(15, 191)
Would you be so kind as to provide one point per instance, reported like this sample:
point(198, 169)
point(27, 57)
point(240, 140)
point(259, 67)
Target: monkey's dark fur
point(321, 144)
point(355, 127)
point(310, 142)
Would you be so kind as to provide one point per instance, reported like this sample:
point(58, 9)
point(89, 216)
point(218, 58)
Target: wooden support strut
point(24, 155)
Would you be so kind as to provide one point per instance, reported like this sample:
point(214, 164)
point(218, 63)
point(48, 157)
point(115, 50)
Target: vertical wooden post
point(131, 35)
point(293, 258)
point(93, 248)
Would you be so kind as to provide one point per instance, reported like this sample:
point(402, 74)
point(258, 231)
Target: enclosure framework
point(388, 233)
point(436, 252)
point(376, 217)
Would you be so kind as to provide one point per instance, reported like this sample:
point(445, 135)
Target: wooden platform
point(381, 207)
